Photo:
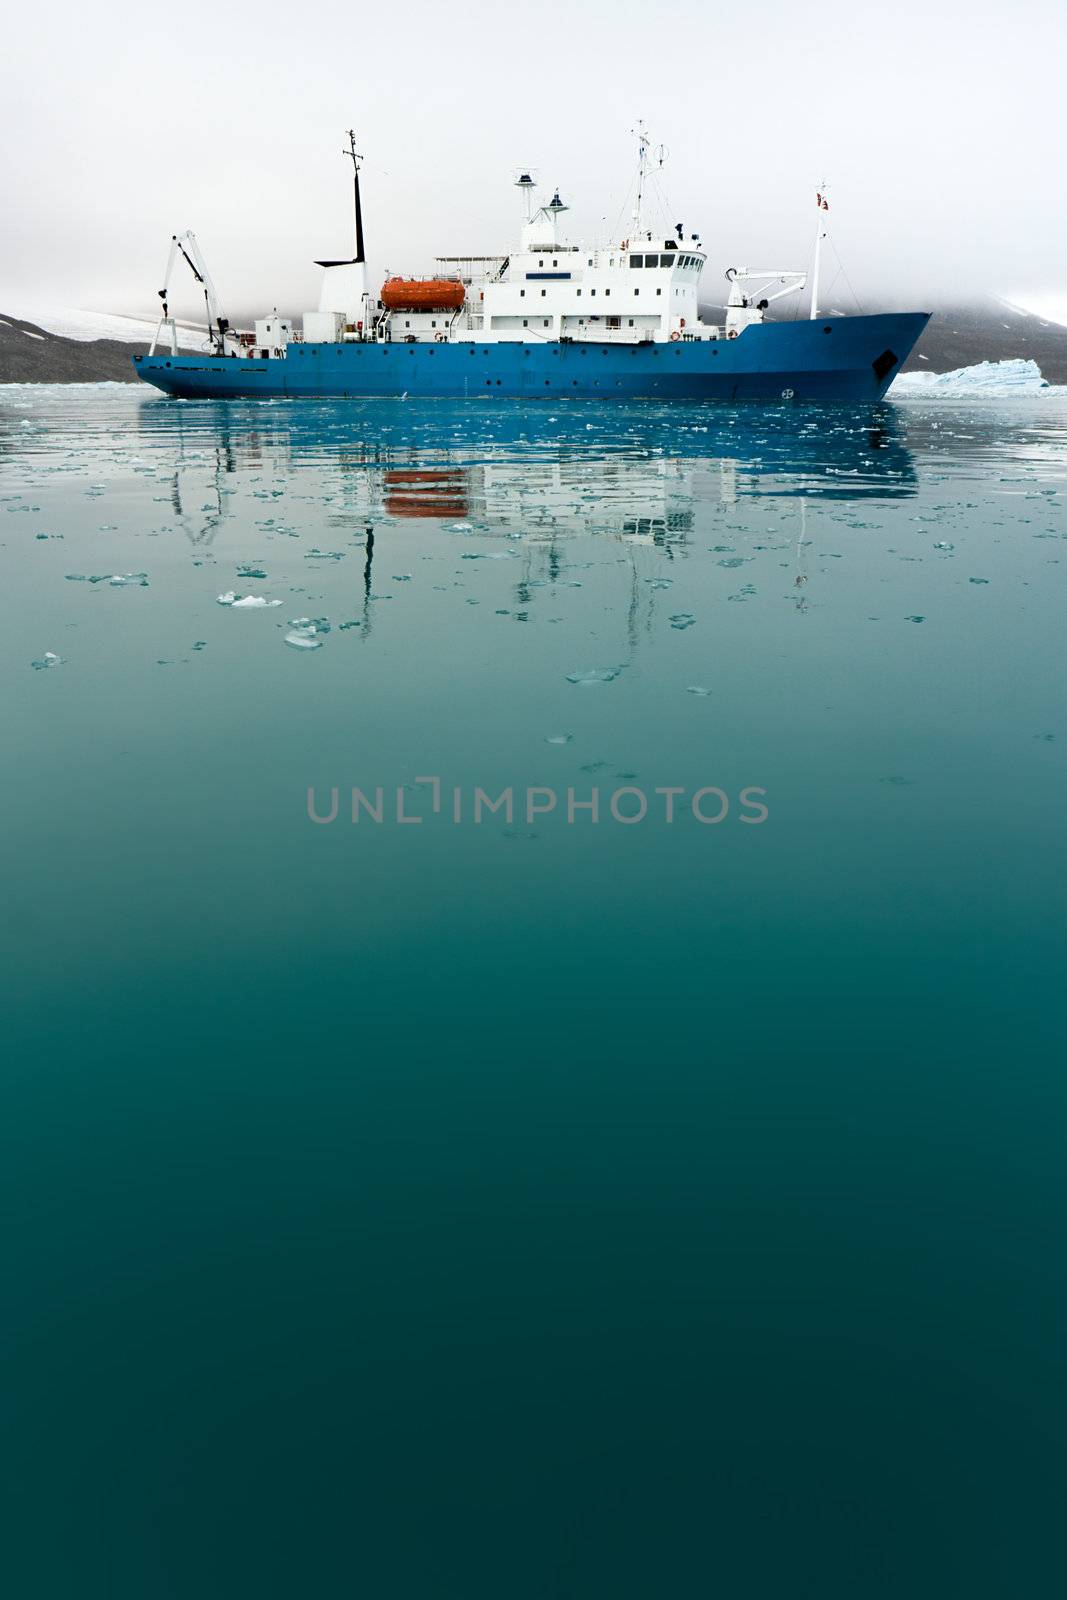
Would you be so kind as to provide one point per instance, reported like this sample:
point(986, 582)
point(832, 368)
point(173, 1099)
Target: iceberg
point(989, 379)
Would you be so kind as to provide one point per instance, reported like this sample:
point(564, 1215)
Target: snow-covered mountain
point(88, 326)
point(1045, 305)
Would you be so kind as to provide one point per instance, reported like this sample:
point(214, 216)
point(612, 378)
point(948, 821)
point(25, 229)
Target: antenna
point(356, 158)
point(526, 182)
point(641, 133)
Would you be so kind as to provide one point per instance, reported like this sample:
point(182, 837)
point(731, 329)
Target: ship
point(535, 322)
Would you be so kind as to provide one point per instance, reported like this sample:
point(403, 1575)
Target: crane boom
point(186, 246)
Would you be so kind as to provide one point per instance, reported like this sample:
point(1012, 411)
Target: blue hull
point(845, 358)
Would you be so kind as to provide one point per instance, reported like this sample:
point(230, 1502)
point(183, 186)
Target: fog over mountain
point(937, 129)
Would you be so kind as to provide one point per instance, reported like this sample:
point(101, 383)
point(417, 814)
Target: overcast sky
point(939, 128)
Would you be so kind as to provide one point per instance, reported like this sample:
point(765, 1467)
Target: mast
point(822, 205)
point(642, 157)
point(355, 157)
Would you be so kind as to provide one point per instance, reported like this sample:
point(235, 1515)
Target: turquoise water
point(532, 1207)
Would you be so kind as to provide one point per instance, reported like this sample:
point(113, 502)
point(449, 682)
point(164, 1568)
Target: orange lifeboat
point(422, 294)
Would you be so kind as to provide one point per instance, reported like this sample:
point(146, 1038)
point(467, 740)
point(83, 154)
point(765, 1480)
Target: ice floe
point(245, 602)
point(592, 675)
point(307, 633)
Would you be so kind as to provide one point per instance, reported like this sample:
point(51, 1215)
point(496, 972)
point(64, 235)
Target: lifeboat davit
point(422, 294)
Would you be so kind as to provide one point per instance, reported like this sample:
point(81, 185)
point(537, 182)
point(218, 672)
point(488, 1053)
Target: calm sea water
point(532, 1207)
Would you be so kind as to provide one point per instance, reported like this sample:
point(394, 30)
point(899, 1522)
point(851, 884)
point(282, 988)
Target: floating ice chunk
point(127, 580)
point(682, 619)
point(307, 633)
point(559, 738)
point(49, 659)
point(594, 675)
point(696, 688)
point(253, 602)
point(227, 599)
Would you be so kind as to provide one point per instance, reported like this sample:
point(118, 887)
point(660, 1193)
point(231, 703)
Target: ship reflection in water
point(635, 473)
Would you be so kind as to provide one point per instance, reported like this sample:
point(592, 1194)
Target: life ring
point(676, 334)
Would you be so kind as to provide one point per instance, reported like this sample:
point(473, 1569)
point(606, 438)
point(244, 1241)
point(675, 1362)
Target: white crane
point(218, 327)
point(746, 305)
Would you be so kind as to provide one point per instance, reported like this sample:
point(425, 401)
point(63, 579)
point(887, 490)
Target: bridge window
point(652, 261)
point(637, 261)
point(667, 261)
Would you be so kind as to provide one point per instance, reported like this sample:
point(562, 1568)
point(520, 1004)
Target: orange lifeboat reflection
point(430, 493)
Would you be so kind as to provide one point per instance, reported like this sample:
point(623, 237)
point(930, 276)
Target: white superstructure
point(641, 289)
